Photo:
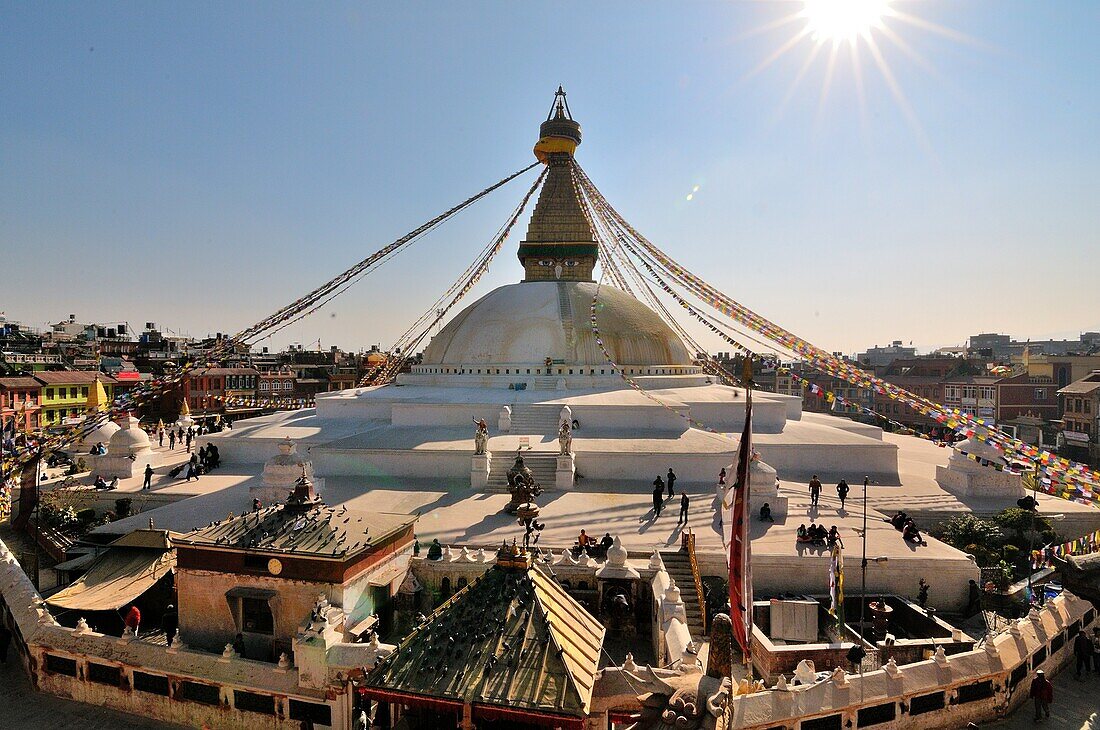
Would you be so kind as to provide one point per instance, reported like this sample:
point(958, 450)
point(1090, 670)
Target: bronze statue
point(522, 485)
point(481, 437)
point(565, 437)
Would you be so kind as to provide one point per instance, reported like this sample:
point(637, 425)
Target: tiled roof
point(71, 377)
point(19, 382)
point(198, 372)
point(320, 531)
point(512, 638)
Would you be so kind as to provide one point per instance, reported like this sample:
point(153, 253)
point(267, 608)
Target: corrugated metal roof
point(512, 638)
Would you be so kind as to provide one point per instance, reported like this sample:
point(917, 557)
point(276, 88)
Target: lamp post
point(863, 562)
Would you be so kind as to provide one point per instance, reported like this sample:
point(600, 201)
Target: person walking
point(658, 498)
point(684, 502)
point(1082, 652)
point(148, 477)
point(160, 437)
point(671, 482)
point(842, 490)
point(190, 436)
point(815, 490)
point(192, 469)
point(722, 477)
point(1042, 692)
point(172, 440)
point(170, 623)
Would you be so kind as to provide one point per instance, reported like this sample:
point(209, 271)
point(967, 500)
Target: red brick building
point(20, 400)
point(206, 389)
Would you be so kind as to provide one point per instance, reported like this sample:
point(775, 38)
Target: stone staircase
point(678, 566)
point(544, 382)
point(534, 419)
point(543, 466)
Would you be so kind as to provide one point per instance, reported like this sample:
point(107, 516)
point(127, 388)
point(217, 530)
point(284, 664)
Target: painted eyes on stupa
point(567, 263)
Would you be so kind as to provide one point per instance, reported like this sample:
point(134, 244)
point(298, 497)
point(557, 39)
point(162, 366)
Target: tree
point(967, 530)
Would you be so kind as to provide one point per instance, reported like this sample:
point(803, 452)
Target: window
point(986, 392)
point(1088, 406)
point(975, 692)
point(104, 674)
point(876, 714)
point(252, 702)
point(951, 392)
point(72, 393)
point(154, 684)
point(926, 703)
point(204, 694)
point(970, 391)
point(829, 722)
point(256, 616)
point(84, 392)
point(60, 665)
point(318, 714)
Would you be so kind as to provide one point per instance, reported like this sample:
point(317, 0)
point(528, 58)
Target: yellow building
point(65, 394)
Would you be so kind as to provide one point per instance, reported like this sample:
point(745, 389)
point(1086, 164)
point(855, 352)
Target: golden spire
point(97, 398)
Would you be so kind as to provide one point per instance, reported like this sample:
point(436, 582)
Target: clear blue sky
point(200, 165)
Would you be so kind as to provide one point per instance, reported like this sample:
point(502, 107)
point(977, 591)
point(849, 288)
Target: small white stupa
point(128, 451)
point(185, 421)
point(96, 404)
point(976, 469)
point(281, 472)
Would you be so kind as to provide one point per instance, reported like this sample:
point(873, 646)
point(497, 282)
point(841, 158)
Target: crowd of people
point(659, 487)
point(816, 534)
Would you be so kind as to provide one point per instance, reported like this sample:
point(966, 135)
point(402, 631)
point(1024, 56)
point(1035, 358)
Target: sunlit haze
point(858, 171)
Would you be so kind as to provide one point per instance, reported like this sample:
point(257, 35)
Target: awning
point(78, 563)
point(389, 572)
point(527, 717)
point(1081, 438)
point(359, 628)
point(117, 578)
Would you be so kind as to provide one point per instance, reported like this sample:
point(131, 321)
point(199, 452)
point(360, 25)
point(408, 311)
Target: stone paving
point(23, 707)
point(1075, 706)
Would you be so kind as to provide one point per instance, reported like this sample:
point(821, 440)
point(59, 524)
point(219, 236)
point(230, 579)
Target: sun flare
point(843, 20)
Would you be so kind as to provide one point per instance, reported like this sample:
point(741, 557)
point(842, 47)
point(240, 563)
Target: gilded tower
point(560, 245)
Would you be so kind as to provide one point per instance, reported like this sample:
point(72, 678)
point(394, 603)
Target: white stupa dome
point(527, 322)
point(129, 439)
point(100, 435)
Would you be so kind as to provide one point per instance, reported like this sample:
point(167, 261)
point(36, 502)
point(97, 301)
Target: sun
point(842, 21)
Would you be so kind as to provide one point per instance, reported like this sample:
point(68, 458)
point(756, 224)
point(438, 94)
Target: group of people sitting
point(817, 535)
point(908, 528)
point(99, 449)
point(591, 546)
point(102, 484)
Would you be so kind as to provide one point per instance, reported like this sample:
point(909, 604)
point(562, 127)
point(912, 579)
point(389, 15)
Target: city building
point(207, 389)
point(1004, 346)
point(276, 383)
point(65, 394)
point(20, 399)
point(1080, 434)
point(884, 355)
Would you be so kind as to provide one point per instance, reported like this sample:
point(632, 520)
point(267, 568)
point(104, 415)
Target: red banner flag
point(740, 558)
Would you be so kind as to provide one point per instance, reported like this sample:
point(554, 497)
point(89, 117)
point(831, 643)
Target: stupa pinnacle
point(560, 245)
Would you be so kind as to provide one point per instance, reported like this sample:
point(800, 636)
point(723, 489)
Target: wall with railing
point(945, 692)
